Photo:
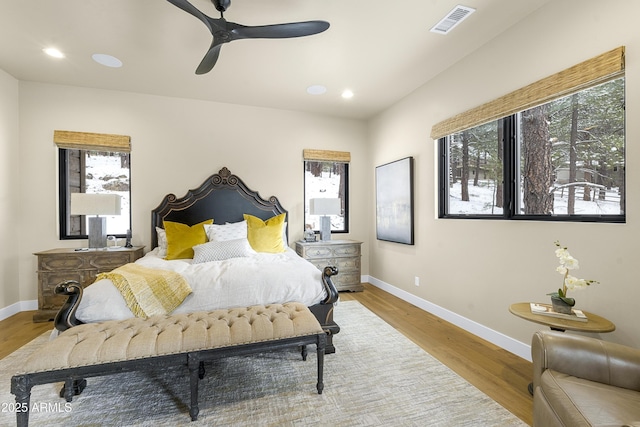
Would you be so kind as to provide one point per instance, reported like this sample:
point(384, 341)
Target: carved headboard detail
point(223, 197)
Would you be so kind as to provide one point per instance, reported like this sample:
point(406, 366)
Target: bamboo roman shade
point(594, 71)
point(326, 155)
point(92, 141)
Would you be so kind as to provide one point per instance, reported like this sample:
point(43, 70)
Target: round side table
point(594, 323)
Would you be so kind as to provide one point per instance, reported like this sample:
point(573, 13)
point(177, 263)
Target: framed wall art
point(394, 201)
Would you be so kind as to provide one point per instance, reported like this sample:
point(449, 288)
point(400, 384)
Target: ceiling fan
point(224, 31)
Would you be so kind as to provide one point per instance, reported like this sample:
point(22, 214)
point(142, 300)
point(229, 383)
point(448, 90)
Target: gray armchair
point(582, 381)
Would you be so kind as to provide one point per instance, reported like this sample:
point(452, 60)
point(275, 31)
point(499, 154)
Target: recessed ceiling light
point(107, 60)
point(316, 90)
point(347, 94)
point(51, 51)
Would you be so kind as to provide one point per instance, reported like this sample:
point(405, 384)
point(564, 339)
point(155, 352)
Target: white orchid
point(566, 260)
point(567, 263)
point(575, 283)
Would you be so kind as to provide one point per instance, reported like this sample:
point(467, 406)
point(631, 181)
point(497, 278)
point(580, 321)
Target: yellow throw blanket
point(148, 291)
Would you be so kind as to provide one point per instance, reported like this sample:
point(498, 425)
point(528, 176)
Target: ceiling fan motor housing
point(221, 5)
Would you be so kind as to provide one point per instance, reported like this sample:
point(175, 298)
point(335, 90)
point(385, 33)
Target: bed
point(224, 271)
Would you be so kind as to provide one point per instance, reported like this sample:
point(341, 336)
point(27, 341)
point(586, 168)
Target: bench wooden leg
point(72, 388)
point(21, 388)
point(194, 364)
point(322, 343)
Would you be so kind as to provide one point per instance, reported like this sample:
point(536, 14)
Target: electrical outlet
point(417, 281)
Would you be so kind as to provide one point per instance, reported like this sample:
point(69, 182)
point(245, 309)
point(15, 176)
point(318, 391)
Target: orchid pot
point(561, 305)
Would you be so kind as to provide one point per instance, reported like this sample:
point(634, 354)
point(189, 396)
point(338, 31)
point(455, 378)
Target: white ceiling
point(382, 50)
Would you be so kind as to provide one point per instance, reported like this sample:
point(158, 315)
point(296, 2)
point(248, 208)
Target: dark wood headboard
point(223, 197)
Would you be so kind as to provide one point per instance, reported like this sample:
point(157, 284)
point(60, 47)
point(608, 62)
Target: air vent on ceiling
point(453, 18)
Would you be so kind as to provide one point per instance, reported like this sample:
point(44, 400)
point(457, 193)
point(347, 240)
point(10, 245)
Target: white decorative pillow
point(162, 242)
point(284, 234)
point(218, 251)
point(228, 231)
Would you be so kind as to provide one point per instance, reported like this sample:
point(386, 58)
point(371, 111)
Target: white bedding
point(262, 278)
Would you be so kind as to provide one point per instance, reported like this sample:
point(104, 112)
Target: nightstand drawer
point(317, 252)
point(323, 250)
point(109, 261)
point(347, 250)
point(348, 281)
point(57, 263)
point(343, 264)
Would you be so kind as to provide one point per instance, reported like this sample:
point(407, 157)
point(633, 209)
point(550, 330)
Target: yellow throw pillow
point(265, 236)
point(181, 238)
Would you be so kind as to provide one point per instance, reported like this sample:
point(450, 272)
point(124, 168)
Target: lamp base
point(97, 232)
point(325, 228)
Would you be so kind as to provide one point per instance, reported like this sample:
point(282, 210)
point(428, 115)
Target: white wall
point(176, 145)
point(477, 268)
point(9, 201)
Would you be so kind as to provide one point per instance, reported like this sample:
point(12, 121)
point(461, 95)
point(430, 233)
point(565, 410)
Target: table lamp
point(96, 204)
point(324, 208)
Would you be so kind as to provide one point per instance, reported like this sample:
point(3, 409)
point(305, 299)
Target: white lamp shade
point(95, 204)
point(324, 206)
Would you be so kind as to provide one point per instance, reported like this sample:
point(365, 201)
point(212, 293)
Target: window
point(92, 168)
point(326, 175)
point(563, 159)
point(560, 160)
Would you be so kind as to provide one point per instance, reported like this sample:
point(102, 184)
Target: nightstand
point(344, 254)
point(58, 265)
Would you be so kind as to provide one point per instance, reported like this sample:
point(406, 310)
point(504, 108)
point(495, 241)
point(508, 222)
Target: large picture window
point(559, 160)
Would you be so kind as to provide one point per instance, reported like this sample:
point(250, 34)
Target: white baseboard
point(17, 307)
point(511, 345)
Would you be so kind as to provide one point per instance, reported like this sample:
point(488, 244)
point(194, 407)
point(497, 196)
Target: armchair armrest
point(585, 357)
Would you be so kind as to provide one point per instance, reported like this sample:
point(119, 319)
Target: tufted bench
point(96, 349)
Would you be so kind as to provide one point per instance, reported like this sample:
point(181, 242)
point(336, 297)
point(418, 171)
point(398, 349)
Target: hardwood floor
point(496, 372)
point(18, 330)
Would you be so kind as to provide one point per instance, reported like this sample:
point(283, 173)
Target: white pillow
point(101, 301)
point(284, 234)
point(228, 231)
point(162, 242)
point(218, 251)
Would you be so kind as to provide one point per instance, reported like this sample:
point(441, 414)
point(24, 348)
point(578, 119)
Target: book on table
point(547, 310)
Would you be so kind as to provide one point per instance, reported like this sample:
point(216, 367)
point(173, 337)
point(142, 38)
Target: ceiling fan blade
point(189, 8)
point(279, 31)
point(210, 58)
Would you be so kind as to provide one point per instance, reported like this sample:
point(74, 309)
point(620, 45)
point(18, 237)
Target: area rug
point(377, 377)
